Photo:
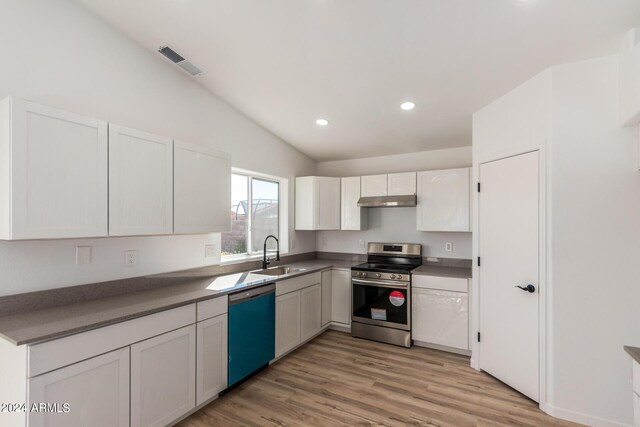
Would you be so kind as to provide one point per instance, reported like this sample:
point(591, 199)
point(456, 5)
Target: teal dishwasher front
point(252, 331)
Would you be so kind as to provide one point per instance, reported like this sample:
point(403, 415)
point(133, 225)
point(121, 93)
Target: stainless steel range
point(381, 293)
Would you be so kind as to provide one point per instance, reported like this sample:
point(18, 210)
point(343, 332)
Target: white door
point(97, 391)
point(287, 322)
point(163, 378)
point(440, 317)
point(508, 250)
point(341, 297)
point(59, 173)
point(443, 200)
point(212, 357)
point(373, 185)
point(352, 216)
point(202, 189)
point(401, 184)
point(140, 182)
point(326, 296)
point(327, 203)
point(311, 311)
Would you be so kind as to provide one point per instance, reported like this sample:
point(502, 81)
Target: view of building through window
point(254, 215)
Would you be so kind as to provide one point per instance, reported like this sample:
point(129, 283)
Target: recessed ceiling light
point(322, 122)
point(407, 105)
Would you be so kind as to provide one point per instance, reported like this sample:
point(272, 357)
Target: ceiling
point(286, 63)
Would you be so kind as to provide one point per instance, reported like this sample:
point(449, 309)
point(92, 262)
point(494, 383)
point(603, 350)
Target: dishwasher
point(252, 331)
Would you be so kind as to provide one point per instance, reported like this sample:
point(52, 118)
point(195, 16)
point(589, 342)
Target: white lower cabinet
point(636, 409)
point(341, 297)
point(440, 317)
point(212, 354)
point(97, 391)
point(288, 324)
point(311, 311)
point(326, 297)
point(163, 378)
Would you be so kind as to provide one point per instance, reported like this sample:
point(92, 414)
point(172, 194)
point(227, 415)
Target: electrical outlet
point(83, 255)
point(448, 246)
point(362, 244)
point(131, 258)
point(209, 251)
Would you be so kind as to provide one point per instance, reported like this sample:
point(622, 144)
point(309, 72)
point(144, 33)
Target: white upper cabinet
point(352, 217)
point(401, 184)
point(443, 200)
point(140, 182)
point(53, 173)
point(202, 189)
point(373, 185)
point(317, 203)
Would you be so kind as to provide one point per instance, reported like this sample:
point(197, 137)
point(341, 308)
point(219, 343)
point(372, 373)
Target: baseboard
point(340, 327)
point(580, 417)
point(442, 348)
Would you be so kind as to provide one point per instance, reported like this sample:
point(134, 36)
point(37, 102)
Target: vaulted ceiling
point(286, 63)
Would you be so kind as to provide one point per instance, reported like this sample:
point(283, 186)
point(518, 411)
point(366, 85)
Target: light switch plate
point(83, 255)
point(209, 251)
point(131, 258)
point(448, 246)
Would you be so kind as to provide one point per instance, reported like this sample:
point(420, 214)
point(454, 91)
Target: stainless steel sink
point(279, 271)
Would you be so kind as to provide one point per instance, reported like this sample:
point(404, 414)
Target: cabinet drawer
point(453, 284)
point(297, 283)
point(636, 377)
point(55, 354)
point(213, 307)
point(636, 410)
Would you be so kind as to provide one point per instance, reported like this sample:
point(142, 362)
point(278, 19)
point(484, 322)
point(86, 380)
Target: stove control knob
point(393, 276)
point(364, 274)
point(378, 275)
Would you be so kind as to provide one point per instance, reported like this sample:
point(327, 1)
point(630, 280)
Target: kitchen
point(132, 295)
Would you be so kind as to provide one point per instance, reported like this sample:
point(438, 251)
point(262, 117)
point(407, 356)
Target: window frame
point(282, 222)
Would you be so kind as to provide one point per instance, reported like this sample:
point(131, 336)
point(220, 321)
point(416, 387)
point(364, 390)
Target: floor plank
point(337, 380)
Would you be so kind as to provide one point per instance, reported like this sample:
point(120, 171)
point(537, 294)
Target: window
point(255, 214)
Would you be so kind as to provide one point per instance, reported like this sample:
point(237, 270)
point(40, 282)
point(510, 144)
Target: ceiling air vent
point(177, 59)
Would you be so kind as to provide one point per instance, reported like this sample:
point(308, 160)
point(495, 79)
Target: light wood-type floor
point(336, 380)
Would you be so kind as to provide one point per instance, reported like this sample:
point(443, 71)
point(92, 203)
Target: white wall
point(630, 78)
point(396, 224)
point(595, 203)
point(591, 205)
point(58, 54)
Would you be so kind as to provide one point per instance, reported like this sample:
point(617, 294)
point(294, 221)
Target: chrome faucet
point(265, 260)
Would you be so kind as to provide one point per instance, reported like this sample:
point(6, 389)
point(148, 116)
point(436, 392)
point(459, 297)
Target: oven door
point(382, 303)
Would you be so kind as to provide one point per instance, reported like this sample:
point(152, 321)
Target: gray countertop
point(191, 286)
point(634, 352)
point(432, 270)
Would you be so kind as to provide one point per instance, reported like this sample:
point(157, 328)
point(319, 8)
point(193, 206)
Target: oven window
point(380, 303)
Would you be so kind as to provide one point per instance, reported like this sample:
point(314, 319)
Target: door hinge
point(478, 187)
point(478, 336)
point(478, 261)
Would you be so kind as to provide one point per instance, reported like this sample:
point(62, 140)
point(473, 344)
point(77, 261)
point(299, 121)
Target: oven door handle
point(398, 285)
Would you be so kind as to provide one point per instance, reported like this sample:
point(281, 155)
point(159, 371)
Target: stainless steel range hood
point(387, 201)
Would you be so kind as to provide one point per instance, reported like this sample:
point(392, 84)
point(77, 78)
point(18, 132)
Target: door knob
point(529, 288)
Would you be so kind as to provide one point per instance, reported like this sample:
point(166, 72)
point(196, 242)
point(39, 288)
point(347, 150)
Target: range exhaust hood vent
point(177, 59)
point(388, 201)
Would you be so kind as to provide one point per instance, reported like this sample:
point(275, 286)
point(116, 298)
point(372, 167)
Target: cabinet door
point(352, 217)
point(440, 317)
point(202, 189)
point(163, 378)
point(211, 357)
point(59, 173)
point(443, 200)
point(311, 311)
point(140, 183)
point(327, 203)
point(373, 185)
point(326, 297)
point(341, 297)
point(401, 184)
point(287, 322)
point(97, 391)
